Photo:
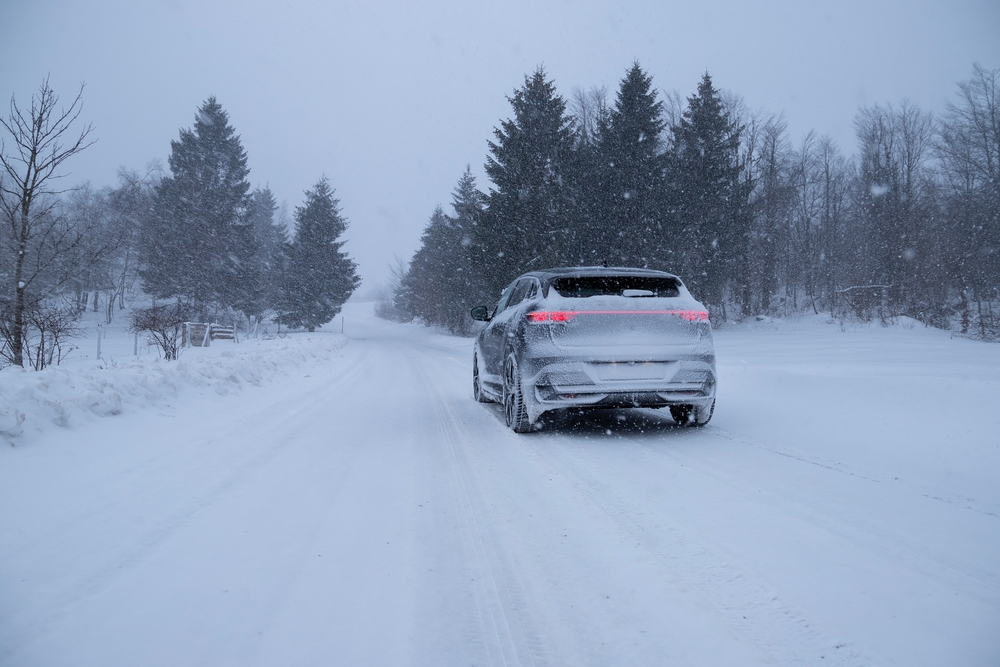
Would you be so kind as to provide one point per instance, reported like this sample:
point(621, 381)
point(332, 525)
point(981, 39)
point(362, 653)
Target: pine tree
point(631, 217)
point(424, 290)
point(263, 292)
point(469, 205)
point(198, 244)
point(708, 199)
point(588, 180)
point(442, 285)
point(318, 277)
point(529, 218)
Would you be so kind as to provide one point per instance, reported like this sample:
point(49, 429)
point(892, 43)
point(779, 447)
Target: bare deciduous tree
point(590, 109)
point(50, 326)
point(969, 150)
point(385, 299)
point(40, 142)
point(893, 201)
point(162, 326)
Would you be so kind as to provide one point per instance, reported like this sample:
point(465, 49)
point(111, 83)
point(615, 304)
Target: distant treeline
point(720, 195)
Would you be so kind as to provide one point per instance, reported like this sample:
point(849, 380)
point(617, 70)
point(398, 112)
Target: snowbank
point(32, 402)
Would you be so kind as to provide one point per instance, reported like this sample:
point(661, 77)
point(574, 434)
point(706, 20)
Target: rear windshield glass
point(631, 286)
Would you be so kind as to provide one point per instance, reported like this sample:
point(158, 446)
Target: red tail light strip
point(567, 315)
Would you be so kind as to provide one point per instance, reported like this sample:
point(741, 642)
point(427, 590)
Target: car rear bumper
point(601, 383)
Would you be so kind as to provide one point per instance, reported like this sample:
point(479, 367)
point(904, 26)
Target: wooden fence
point(201, 334)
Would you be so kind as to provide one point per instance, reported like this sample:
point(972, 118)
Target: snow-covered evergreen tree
point(263, 294)
point(442, 283)
point(632, 216)
point(424, 289)
point(198, 246)
point(530, 217)
point(468, 204)
point(708, 199)
point(318, 277)
point(589, 177)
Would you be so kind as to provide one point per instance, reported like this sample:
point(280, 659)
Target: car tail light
point(692, 315)
point(567, 315)
point(553, 315)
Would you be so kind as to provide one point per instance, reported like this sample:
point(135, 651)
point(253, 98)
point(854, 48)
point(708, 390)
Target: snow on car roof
point(560, 272)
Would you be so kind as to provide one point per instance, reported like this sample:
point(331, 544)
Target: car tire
point(514, 411)
point(689, 415)
point(477, 388)
point(682, 414)
point(703, 416)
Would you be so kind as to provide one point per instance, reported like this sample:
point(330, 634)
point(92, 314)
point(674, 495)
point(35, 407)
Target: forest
point(756, 222)
point(196, 244)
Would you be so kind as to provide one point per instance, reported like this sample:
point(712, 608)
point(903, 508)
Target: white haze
point(392, 99)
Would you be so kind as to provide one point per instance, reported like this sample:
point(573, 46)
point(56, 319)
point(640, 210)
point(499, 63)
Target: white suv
point(595, 337)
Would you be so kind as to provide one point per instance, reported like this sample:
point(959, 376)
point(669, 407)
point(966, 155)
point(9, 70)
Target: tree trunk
point(17, 340)
point(36, 136)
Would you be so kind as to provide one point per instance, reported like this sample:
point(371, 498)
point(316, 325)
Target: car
point(595, 338)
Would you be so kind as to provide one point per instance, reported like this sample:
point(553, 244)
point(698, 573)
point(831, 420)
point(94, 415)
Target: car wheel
point(703, 416)
point(513, 402)
point(477, 389)
point(689, 415)
point(681, 414)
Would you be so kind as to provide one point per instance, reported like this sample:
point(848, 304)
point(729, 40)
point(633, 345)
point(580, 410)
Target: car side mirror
point(480, 314)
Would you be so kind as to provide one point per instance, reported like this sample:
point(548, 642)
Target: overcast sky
point(392, 99)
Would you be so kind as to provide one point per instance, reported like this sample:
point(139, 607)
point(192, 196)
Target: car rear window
point(632, 286)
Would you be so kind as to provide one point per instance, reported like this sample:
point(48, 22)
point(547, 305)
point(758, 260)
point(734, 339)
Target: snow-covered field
point(341, 500)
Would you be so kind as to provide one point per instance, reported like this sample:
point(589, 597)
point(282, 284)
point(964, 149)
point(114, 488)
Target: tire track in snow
point(965, 502)
point(289, 420)
point(976, 583)
point(755, 609)
point(507, 625)
point(119, 562)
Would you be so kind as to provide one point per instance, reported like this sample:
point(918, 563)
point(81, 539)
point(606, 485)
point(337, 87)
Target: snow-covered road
point(843, 508)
